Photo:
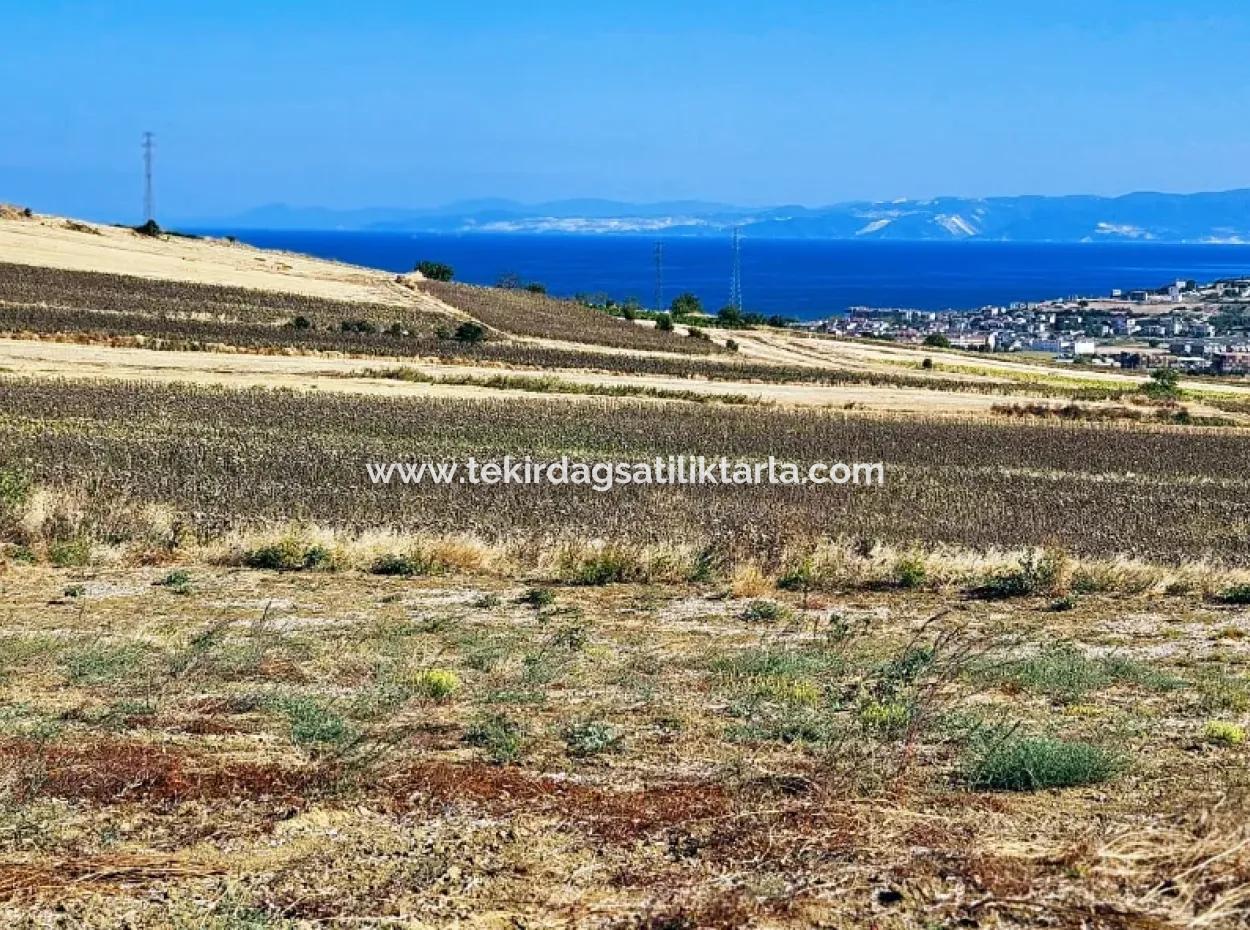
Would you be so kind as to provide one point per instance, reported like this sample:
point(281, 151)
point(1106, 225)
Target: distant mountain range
point(1220, 217)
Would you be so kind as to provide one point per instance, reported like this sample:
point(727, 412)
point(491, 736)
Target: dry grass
point(250, 748)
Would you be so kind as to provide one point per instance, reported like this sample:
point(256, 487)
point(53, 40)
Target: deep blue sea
point(804, 278)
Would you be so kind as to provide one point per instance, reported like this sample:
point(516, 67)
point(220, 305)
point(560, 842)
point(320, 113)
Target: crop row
point(522, 313)
point(230, 458)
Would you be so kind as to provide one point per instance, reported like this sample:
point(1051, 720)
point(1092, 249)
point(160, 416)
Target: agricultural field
point(244, 685)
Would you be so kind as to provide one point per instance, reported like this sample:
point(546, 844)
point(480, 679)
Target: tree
point(1164, 384)
point(685, 303)
point(937, 341)
point(470, 333)
point(435, 271)
point(664, 323)
point(730, 316)
point(536, 287)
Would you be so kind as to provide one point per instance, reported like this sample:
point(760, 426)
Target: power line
point(149, 203)
point(659, 275)
point(735, 277)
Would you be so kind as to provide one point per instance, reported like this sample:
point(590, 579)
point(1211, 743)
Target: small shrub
point(437, 684)
point(664, 322)
point(887, 718)
point(1219, 692)
point(469, 333)
point(609, 565)
point(22, 555)
point(1237, 594)
point(288, 555)
point(73, 553)
point(1020, 763)
point(538, 598)
point(501, 737)
point(1060, 604)
point(401, 565)
point(314, 726)
point(590, 738)
point(1223, 732)
point(764, 612)
point(15, 488)
point(1036, 574)
point(572, 637)
point(909, 572)
point(178, 581)
point(74, 590)
point(487, 601)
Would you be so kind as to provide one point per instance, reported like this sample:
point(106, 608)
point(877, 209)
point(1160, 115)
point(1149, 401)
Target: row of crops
point(190, 317)
point(522, 313)
point(227, 458)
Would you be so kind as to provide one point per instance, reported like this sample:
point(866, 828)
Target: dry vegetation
point(228, 457)
point(521, 313)
point(243, 687)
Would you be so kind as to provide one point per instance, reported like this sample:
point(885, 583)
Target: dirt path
point(74, 360)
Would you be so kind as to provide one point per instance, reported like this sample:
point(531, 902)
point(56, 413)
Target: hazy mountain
point(1206, 217)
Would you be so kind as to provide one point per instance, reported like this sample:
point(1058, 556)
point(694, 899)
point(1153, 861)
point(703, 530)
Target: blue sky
point(411, 104)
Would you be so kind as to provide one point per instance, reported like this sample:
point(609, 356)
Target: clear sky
point(351, 104)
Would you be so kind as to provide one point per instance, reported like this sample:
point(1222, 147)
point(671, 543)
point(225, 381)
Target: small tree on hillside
point(937, 341)
point(664, 322)
point(685, 303)
point(435, 271)
point(470, 333)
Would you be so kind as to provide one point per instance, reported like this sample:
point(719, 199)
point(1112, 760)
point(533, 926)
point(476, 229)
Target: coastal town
point(1198, 328)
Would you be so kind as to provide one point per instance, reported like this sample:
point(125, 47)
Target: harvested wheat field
point(248, 685)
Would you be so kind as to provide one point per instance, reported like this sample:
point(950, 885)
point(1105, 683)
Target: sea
point(802, 278)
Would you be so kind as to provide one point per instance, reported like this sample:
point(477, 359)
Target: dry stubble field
point(244, 688)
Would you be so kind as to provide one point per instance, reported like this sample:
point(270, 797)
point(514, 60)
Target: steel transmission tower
point(735, 278)
point(659, 276)
point(149, 203)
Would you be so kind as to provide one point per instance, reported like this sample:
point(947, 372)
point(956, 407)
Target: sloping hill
point(521, 313)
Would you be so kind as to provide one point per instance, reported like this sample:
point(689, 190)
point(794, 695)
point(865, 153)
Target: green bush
point(469, 333)
point(435, 271)
point(538, 597)
point(178, 581)
point(909, 572)
point(1237, 594)
point(15, 486)
point(764, 612)
point(288, 555)
point(498, 735)
point(403, 565)
point(664, 322)
point(314, 726)
point(590, 738)
point(1034, 763)
point(605, 566)
point(72, 553)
